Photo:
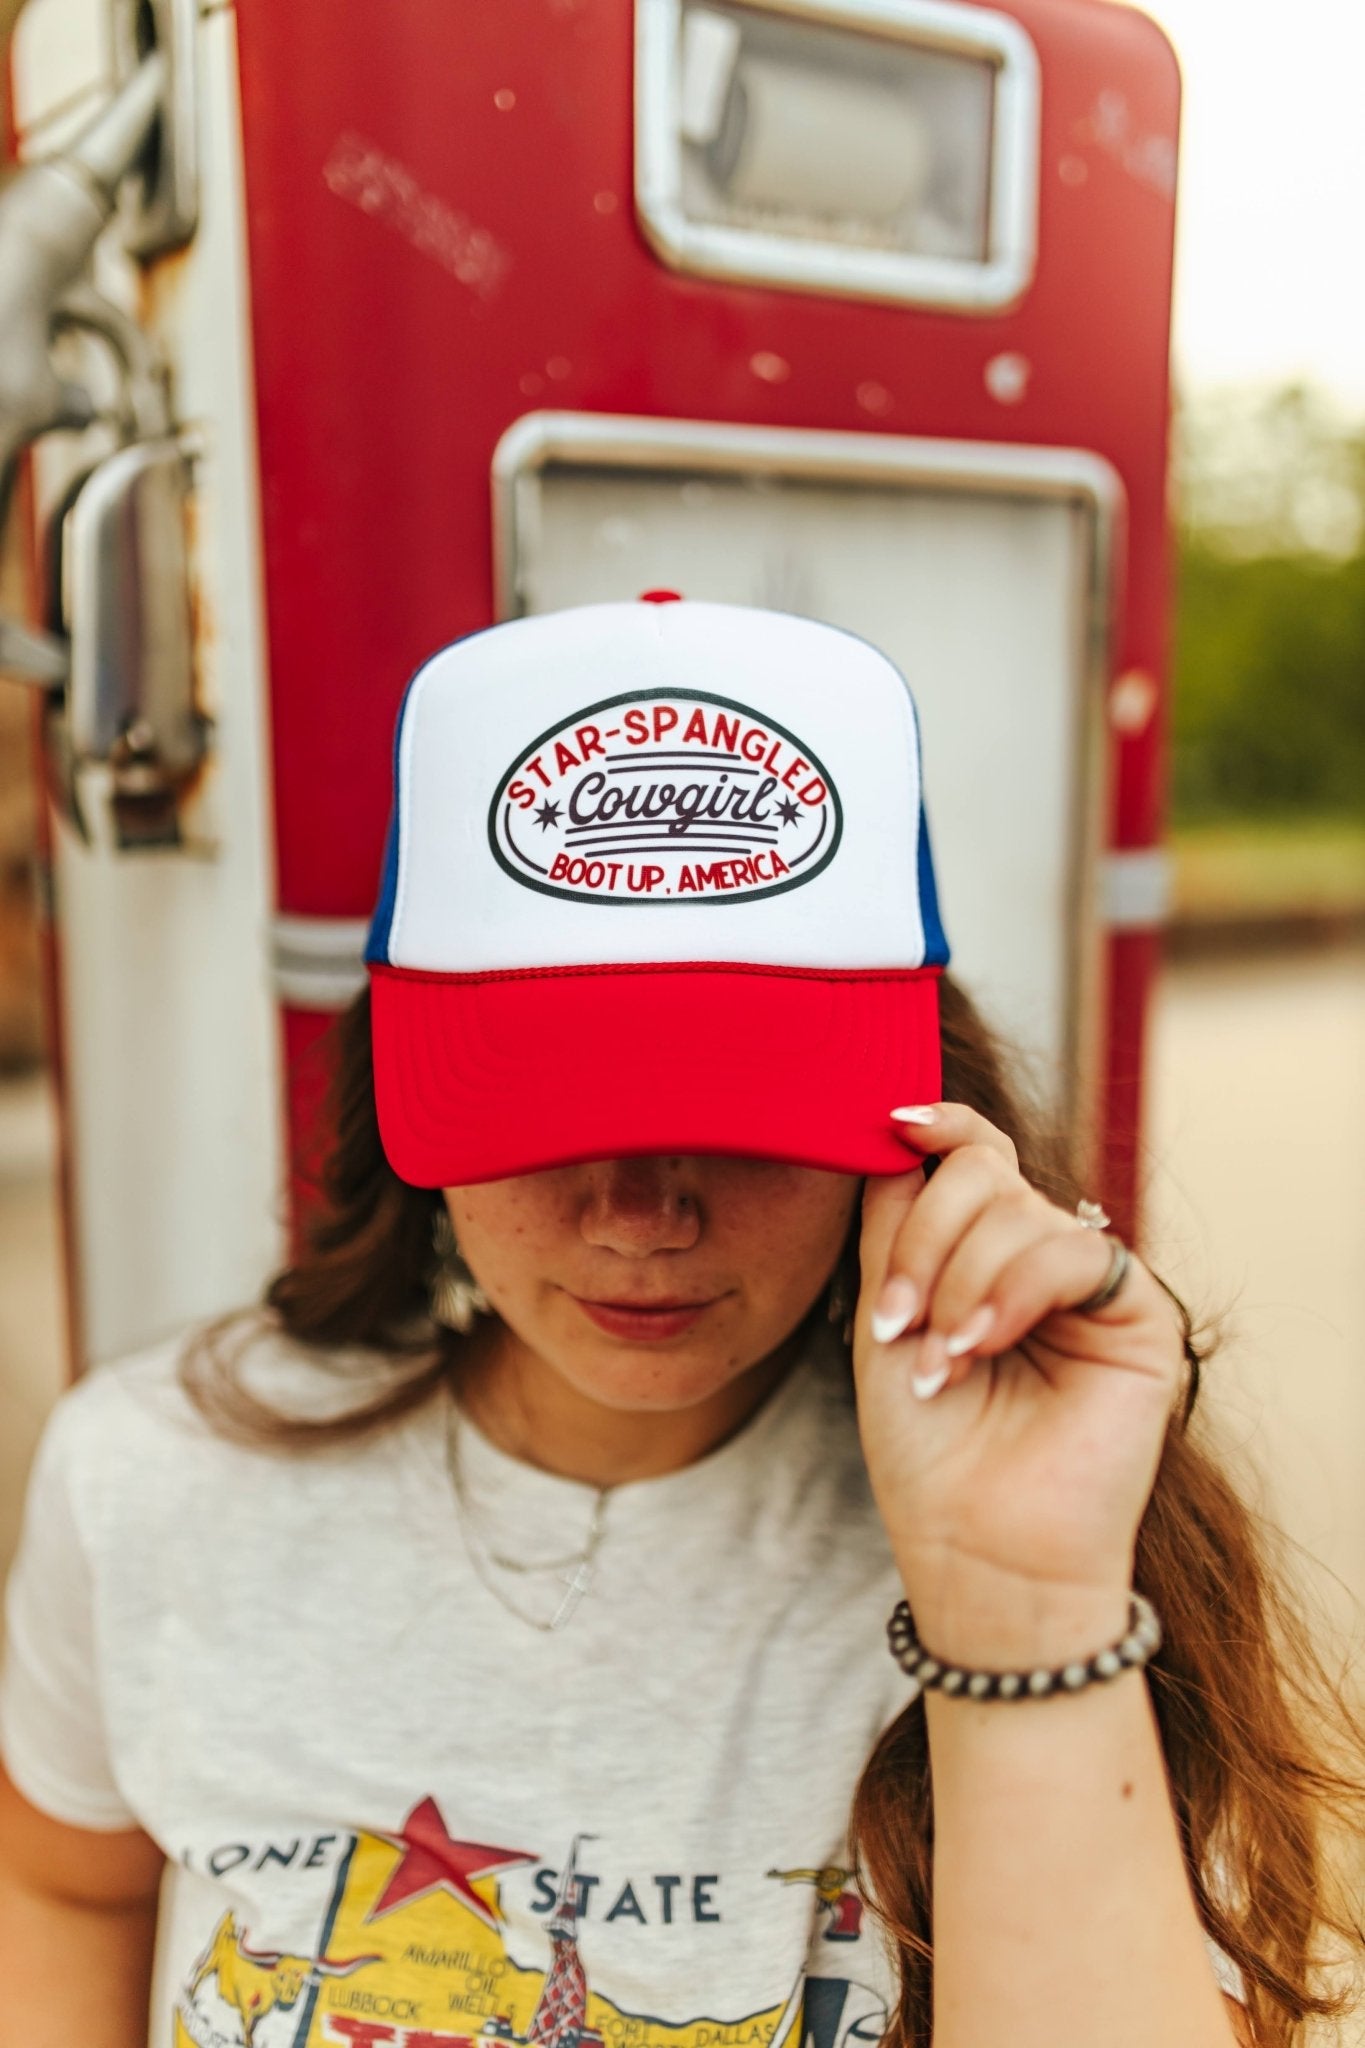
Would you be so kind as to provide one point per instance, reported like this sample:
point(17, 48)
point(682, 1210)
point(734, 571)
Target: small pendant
point(577, 1584)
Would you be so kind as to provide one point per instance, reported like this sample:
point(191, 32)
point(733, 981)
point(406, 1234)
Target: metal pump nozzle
point(51, 215)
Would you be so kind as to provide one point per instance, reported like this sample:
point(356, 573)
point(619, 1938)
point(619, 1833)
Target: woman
point(691, 1299)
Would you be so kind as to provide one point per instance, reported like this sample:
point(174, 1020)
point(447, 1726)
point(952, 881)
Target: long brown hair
point(1254, 1729)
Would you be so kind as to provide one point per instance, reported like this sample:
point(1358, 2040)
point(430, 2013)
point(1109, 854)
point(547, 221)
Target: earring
point(841, 1304)
point(455, 1295)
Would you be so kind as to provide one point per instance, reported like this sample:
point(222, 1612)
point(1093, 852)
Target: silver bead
point(1140, 1642)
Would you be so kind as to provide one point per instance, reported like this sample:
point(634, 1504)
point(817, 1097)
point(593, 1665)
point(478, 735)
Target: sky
point(1270, 280)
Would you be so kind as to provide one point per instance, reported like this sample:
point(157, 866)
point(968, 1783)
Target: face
point(651, 1284)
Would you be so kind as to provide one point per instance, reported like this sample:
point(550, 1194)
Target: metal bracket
point(51, 215)
point(130, 698)
point(159, 204)
point(117, 663)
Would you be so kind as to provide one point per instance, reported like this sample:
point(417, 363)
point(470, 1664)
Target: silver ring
point(1120, 1259)
point(1092, 1215)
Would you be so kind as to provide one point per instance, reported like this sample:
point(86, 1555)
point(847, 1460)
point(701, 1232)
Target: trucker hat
point(657, 880)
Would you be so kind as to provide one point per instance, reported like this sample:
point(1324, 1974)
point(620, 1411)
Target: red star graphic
point(431, 1862)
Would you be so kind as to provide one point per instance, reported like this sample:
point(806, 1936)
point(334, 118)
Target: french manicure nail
point(972, 1331)
point(895, 1310)
point(914, 1115)
point(924, 1386)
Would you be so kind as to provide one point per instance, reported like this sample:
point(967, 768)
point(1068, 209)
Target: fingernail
point(925, 1386)
point(895, 1310)
point(971, 1332)
point(915, 1115)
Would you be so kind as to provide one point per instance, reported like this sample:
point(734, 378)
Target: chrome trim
point(639, 441)
point(316, 963)
point(1137, 888)
point(1069, 475)
point(161, 208)
point(748, 257)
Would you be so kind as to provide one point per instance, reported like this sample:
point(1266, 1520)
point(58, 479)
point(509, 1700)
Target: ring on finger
point(1120, 1261)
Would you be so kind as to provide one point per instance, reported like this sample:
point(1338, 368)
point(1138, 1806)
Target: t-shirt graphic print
point(432, 1942)
point(397, 1816)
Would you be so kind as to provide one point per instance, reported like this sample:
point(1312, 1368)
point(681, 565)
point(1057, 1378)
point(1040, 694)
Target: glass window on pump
point(902, 134)
point(888, 151)
point(543, 1692)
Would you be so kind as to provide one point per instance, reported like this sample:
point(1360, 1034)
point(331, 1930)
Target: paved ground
point(1257, 1210)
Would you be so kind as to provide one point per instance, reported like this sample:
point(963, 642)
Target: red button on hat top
point(661, 597)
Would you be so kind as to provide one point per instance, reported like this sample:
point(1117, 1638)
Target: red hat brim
point(480, 1077)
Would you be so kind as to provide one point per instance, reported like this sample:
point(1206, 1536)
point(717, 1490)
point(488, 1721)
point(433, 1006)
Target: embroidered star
point(547, 815)
point(787, 811)
point(432, 1861)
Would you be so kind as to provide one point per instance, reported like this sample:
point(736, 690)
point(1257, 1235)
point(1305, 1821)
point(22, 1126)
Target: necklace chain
point(577, 1579)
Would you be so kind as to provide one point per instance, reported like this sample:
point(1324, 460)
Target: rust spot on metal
point(203, 639)
point(160, 286)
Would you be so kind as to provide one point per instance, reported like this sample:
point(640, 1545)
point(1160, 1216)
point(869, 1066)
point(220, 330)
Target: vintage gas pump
point(858, 308)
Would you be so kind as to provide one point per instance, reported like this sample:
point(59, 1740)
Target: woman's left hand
point(1012, 1476)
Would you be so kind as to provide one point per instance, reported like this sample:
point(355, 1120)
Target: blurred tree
point(1269, 712)
point(1276, 472)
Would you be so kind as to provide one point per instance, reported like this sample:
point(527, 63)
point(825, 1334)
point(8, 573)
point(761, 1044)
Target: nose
point(639, 1206)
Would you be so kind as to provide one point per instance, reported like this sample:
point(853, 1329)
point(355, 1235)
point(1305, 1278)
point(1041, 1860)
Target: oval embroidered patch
point(669, 796)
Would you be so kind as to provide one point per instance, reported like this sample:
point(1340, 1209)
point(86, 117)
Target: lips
point(644, 1321)
point(653, 1307)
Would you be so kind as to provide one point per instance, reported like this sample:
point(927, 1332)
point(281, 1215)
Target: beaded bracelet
point(932, 1674)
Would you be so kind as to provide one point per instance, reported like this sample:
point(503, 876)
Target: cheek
point(510, 1231)
point(788, 1229)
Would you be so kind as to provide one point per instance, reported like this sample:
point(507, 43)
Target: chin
point(647, 1378)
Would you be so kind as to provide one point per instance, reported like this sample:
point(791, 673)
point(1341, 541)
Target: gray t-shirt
point(397, 1814)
